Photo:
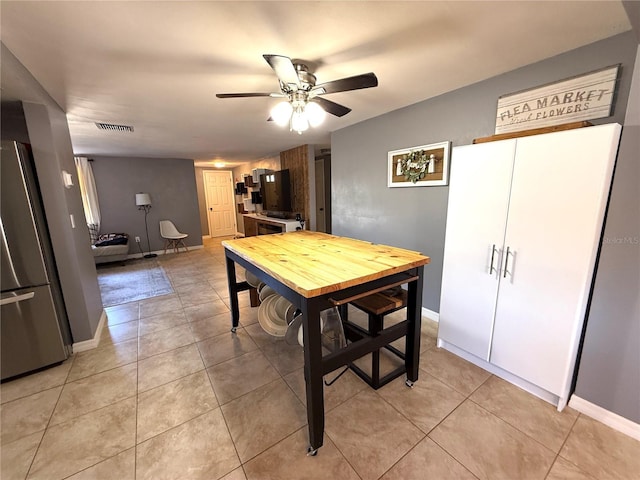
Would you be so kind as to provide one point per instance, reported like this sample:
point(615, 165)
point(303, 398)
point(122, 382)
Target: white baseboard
point(430, 314)
point(613, 420)
point(161, 252)
point(95, 341)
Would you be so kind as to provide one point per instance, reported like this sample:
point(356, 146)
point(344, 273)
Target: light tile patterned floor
point(170, 393)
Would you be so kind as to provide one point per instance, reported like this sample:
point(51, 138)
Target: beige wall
point(240, 172)
point(238, 176)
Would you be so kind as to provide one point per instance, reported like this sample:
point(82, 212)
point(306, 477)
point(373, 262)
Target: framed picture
point(421, 166)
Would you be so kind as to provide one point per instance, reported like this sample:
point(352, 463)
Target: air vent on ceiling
point(113, 127)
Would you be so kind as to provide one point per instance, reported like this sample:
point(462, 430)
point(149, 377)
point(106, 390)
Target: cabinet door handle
point(506, 263)
point(493, 254)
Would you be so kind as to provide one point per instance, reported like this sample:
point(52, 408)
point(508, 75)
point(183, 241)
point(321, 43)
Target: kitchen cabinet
point(260, 225)
point(524, 223)
point(250, 226)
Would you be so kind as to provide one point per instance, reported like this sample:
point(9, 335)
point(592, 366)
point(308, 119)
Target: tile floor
point(170, 393)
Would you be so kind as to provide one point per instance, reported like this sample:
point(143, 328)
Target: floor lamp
point(143, 201)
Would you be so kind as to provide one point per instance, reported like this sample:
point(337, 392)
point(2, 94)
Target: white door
point(221, 209)
point(558, 196)
point(476, 217)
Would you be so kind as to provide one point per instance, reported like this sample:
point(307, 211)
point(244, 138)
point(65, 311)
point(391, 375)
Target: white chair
point(172, 237)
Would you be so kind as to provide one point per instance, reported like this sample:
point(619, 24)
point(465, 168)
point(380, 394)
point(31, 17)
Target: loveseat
point(110, 247)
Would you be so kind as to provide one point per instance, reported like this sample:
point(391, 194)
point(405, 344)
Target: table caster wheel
point(312, 452)
point(234, 329)
point(409, 383)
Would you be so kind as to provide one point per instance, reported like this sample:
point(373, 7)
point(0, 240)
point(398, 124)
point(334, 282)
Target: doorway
point(323, 192)
point(221, 212)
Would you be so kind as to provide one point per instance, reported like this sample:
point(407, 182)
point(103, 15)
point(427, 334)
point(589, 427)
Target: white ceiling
point(157, 65)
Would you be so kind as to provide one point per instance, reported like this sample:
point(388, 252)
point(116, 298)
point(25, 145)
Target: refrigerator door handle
point(17, 298)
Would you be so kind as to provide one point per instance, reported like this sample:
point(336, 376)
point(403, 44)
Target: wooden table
point(316, 271)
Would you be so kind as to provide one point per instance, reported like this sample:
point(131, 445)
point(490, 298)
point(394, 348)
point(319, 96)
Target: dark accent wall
point(415, 218)
point(172, 186)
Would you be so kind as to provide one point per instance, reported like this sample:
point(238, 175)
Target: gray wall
point(609, 371)
point(172, 186)
point(363, 207)
point(415, 218)
point(48, 133)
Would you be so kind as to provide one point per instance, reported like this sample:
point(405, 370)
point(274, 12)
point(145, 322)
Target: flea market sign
point(584, 97)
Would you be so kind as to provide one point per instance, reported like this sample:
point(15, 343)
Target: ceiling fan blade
point(331, 107)
point(366, 80)
point(241, 95)
point(286, 72)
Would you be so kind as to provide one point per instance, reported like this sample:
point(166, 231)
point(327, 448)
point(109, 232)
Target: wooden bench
point(377, 306)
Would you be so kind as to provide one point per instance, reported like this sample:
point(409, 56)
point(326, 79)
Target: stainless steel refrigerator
point(34, 325)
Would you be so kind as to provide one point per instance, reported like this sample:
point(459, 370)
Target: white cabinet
point(480, 181)
point(523, 227)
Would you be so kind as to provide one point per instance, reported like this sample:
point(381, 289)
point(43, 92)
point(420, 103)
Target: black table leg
point(375, 326)
point(233, 293)
point(414, 316)
point(313, 373)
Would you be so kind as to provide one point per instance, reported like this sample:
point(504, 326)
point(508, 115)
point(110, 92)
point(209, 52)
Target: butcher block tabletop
point(315, 263)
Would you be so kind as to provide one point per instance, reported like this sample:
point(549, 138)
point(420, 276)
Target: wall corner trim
point(613, 420)
point(95, 341)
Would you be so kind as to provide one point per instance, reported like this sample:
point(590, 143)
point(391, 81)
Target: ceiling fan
point(304, 105)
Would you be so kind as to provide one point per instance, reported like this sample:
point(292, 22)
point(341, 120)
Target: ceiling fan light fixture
point(315, 114)
point(299, 121)
point(305, 107)
point(281, 113)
